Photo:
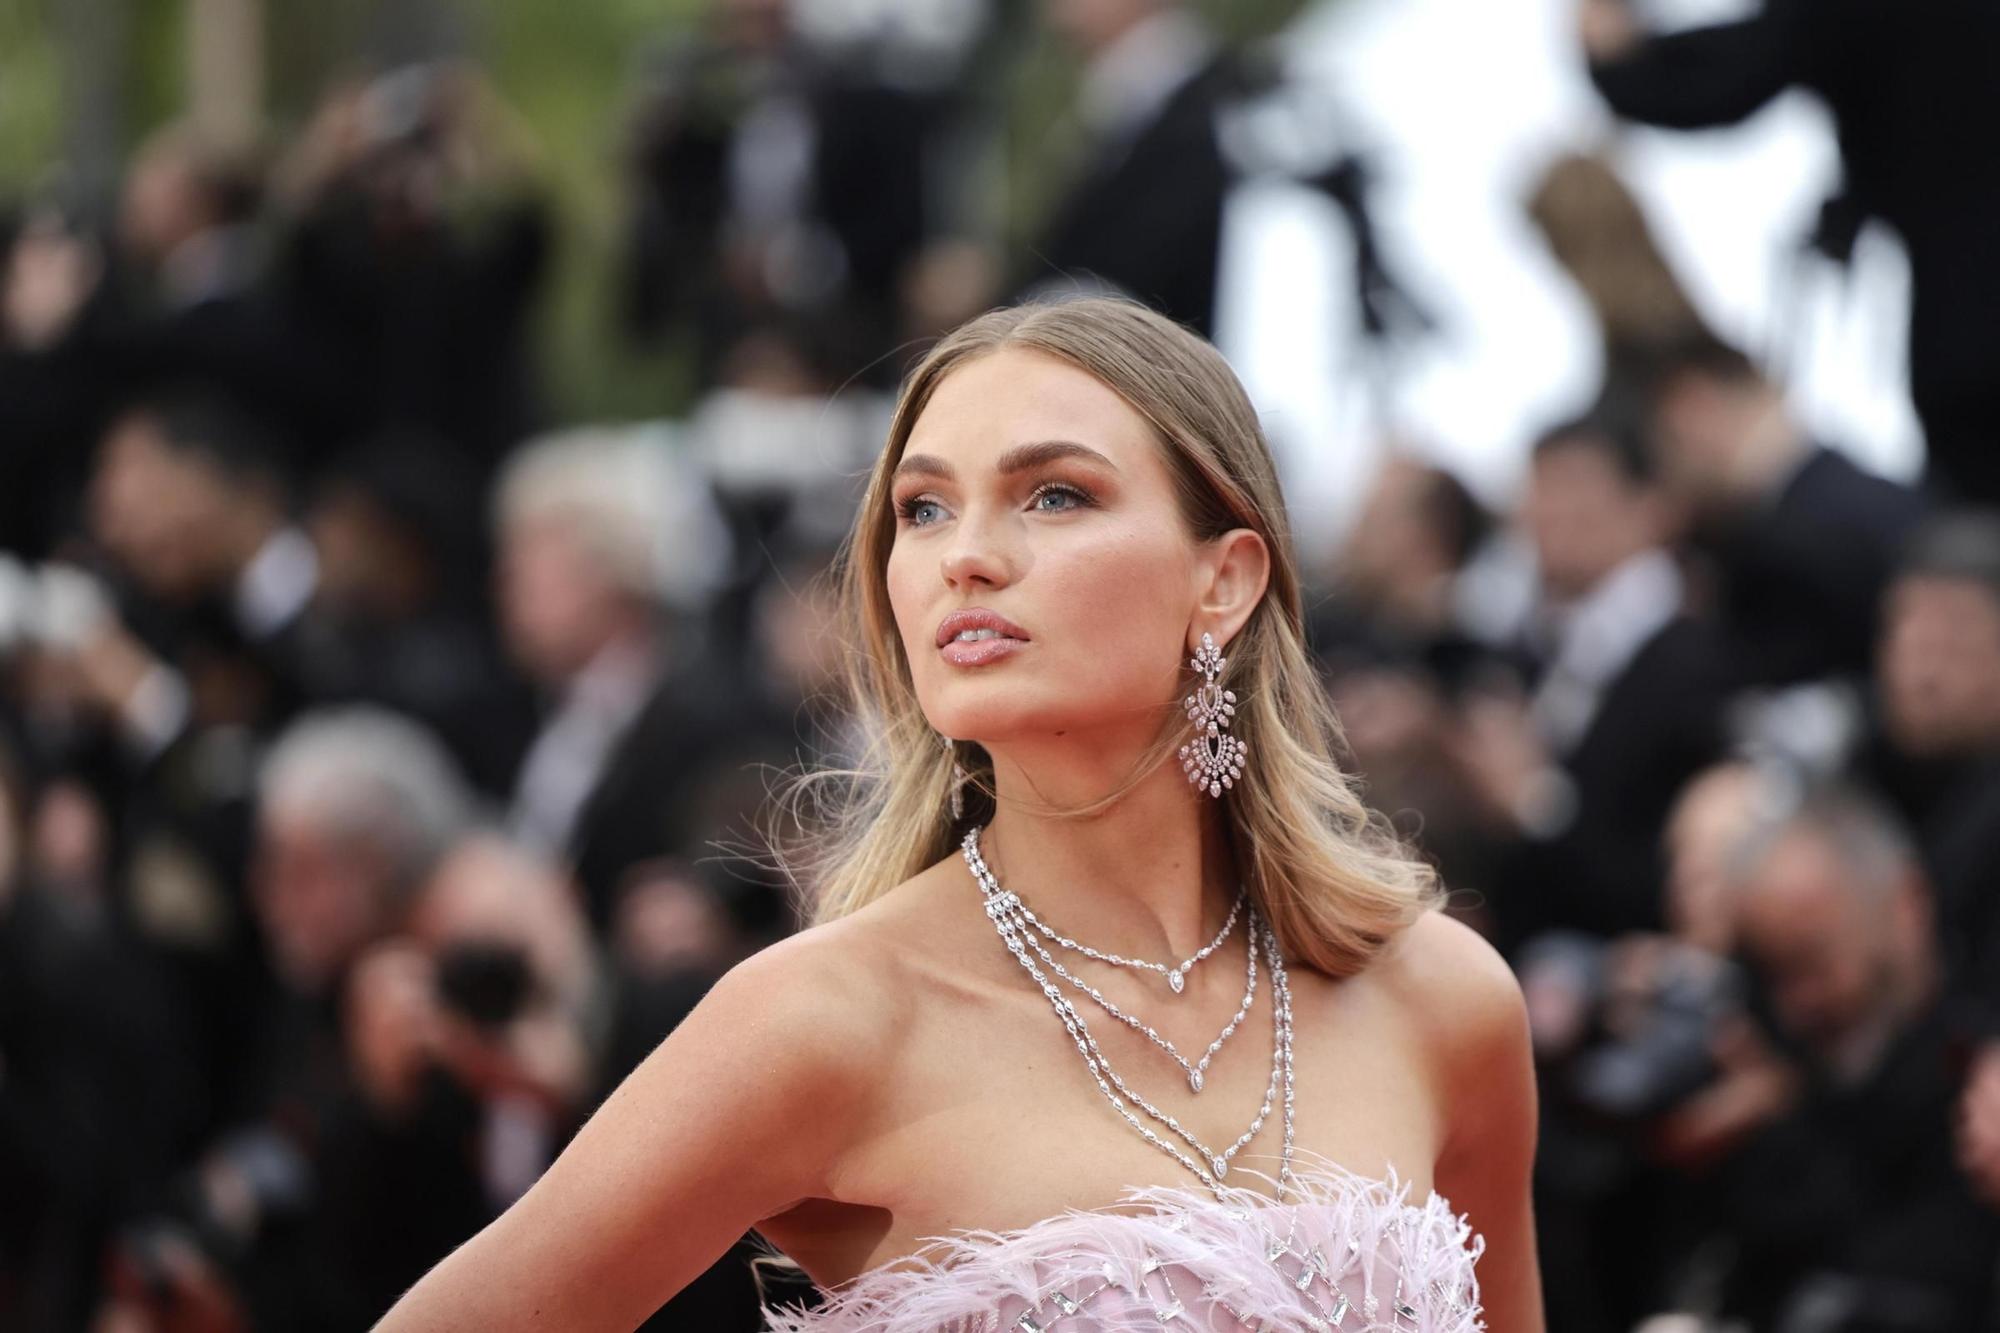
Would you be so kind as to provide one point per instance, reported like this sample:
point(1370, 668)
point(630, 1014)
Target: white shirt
point(569, 755)
point(1130, 81)
point(1598, 638)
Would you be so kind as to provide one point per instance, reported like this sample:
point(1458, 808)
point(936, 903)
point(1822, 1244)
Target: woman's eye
point(919, 511)
point(1065, 497)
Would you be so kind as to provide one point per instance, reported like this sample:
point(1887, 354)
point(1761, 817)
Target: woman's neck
point(1150, 877)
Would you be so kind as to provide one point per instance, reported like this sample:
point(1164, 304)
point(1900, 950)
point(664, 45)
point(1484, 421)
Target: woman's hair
point(1331, 878)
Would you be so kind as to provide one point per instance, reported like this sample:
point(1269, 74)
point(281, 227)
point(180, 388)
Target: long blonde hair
point(1332, 879)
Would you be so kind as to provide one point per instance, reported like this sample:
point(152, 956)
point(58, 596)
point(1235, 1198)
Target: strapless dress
point(1345, 1252)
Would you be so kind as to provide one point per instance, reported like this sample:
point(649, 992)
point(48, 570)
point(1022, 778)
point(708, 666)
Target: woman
point(1072, 561)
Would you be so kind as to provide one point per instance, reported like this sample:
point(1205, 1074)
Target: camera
point(1635, 1053)
point(485, 982)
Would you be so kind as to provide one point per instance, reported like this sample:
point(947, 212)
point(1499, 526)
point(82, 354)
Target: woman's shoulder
point(1457, 992)
point(823, 988)
point(852, 985)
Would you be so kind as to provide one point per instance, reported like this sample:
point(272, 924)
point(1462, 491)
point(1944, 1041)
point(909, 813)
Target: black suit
point(1802, 578)
point(869, 186)
point(100, 1098)
point(426, 321)
point(1859, 1185)
point(1658, 723)
point(681, 778)
point(1961, 845)
point(1917, 109)
point(1146, 213)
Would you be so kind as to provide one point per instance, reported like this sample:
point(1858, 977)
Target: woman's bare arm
point(731, 1120)
point(1486, 1071)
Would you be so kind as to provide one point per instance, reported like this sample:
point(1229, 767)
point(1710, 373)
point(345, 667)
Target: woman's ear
point(1231, 574)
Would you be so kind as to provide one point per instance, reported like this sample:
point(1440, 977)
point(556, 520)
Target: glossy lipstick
point(997, 637)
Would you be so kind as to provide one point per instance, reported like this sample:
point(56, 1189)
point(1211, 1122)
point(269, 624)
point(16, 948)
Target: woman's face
point(1037, 533)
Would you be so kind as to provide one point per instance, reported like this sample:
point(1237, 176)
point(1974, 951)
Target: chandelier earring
point(1212, 760)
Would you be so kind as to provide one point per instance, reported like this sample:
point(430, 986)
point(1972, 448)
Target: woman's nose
point(979, 556)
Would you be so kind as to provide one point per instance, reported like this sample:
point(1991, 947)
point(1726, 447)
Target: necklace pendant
point(1220, 1167)
point(1177, 981)
point(1194, 1079)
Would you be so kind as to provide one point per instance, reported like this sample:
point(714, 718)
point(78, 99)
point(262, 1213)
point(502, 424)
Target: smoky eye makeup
point(1069, 494)
point(911, 509)
point(1051, 496)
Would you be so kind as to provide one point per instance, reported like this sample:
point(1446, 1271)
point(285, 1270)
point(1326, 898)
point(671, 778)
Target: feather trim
point(1187, 1263)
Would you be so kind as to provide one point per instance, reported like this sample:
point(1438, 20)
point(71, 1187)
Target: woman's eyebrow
point(1020, 458)
point(925, 465)
point(1025, 456)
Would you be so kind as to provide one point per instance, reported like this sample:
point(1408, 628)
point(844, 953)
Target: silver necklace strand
point(1216, 1164)
point(1176, 976)
point(1011, 902)
point(1211, 1166)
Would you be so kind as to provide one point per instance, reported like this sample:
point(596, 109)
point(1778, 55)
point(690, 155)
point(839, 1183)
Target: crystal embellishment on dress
point(1213, 759)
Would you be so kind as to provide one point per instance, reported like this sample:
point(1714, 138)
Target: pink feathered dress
point(1346, 1252)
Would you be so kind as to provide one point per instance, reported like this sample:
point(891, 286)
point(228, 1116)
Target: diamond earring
point(1212, 760)
point(954, 788)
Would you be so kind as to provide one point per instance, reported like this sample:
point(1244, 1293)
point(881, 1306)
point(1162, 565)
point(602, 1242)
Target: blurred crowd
point(382, 762)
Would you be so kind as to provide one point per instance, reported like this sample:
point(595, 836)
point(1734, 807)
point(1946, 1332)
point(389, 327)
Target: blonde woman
point(1119, 1013)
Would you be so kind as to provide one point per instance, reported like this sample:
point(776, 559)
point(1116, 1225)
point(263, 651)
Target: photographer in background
point(606, 551)
point(1801, 542)
point(1142, 211)
point(273, 1226)
point(1624, 700)
point(1848, 1211)
point(510, 1001)
point(1653, 1070)
point(783, 179)
point(100, 1090)
point(1939, 680)
point(196, 298)
point(418, 244)
point(52, 284)
point(190, 502)
point(1938, 675)
point(1917, 113)
point(243, 608)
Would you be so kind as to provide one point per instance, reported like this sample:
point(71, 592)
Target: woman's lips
point(978, 652)
point(997, 636)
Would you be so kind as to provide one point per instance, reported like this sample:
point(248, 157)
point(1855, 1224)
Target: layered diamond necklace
point(1017, 927)
point(1176, 976)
